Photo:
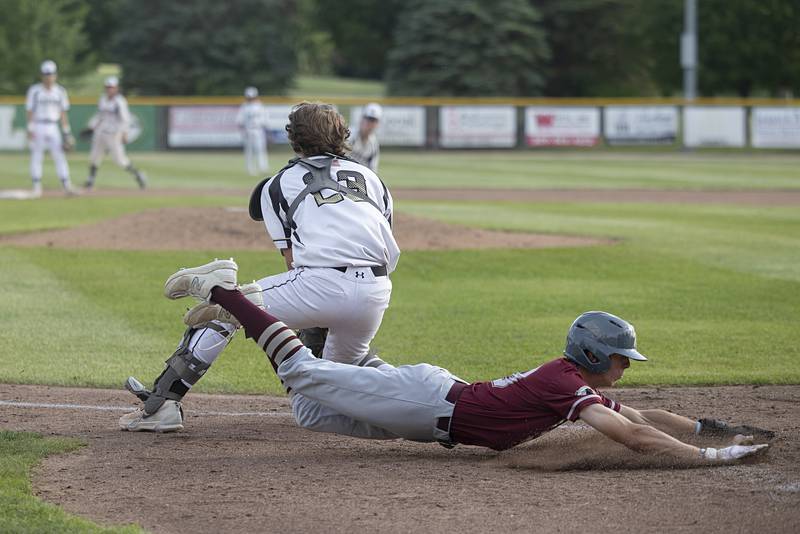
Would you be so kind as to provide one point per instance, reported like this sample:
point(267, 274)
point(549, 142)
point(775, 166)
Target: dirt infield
point(255, 471)
point(232, 229)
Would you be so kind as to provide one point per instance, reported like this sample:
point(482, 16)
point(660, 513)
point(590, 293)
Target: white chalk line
point(107, 408)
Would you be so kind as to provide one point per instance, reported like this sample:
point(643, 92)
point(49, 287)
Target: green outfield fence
point(163, 123)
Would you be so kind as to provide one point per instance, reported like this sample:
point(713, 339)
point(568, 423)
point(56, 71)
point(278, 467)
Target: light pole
point(689, 50)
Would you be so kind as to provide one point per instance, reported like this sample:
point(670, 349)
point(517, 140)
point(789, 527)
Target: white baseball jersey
point(331, 228)
point(46, 104)
point(365, 151)
point(252, 116)
point(112, 115)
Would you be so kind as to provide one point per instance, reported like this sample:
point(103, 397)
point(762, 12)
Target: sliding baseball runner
point(330, 218)
point(427, 403)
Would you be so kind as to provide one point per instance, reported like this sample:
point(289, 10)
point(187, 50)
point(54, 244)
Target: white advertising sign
point(640, 125)
point(713, 126)
point(775, 127)
point(477, 126)
point(215, 126)
point(562, 126)
point(399, 125)
point(11, 138)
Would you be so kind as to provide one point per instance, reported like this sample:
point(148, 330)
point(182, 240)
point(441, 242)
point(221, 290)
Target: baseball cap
point(372, 111)
point(48, 67)
point(111, 81)
point(250, 92)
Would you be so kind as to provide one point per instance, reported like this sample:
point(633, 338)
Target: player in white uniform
point(109, 127)
point(330, 218)
point(252, 120)
point(366, 149)
point(46, 104)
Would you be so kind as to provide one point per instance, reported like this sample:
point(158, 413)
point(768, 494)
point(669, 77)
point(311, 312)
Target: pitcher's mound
point(232, 229)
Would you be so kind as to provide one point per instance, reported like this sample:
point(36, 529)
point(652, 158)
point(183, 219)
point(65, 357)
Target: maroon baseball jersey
point(505, 412)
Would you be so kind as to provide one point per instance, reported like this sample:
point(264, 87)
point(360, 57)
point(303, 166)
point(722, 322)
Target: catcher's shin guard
point(183, 369)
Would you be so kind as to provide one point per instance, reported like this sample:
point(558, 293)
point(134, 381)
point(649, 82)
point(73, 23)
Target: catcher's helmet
point(595, 336)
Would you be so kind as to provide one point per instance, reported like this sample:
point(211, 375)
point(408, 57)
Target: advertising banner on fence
point(13, 135)
point(714, 126)
point(215, 126)
point(775, 127)
point(562, 126)
point(640, 125)
point(141, 133)
point(399, 126)
point(477, 126)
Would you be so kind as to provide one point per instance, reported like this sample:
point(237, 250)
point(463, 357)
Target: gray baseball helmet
point(595, 336)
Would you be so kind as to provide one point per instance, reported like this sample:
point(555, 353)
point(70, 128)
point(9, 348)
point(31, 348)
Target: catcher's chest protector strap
point(320, 170)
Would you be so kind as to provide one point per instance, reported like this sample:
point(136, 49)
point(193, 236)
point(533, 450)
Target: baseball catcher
point(427, 403)
point(330, 218)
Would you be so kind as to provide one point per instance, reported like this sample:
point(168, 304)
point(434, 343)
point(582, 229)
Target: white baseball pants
point(47, 136)
point(110, 142)
point(384, 403)
point(255, 151)
point(350, 305)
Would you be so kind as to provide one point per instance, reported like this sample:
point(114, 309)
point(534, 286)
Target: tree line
point(418, 47)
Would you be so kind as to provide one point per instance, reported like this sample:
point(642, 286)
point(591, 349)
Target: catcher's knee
point(188, 363)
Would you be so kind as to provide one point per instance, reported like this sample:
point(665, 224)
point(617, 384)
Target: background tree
point(206, 47)
point(32, 31)
point(360, 32)
point(597, 47)
point(746, 47)
point(467, 48)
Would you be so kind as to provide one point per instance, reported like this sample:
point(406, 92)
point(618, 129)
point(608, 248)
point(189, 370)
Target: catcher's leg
point(198, 349)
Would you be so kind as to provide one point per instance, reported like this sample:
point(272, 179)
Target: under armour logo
point(359, 275)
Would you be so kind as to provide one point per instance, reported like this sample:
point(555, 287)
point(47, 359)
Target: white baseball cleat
point(168, 418)
point(199, 281)
point(205, 312)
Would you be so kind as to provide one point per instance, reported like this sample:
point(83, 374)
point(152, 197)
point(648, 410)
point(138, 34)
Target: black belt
point(443, 423)
point(377, 271)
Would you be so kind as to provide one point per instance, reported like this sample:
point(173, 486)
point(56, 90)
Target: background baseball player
point(366, 150)
point(46, 104)
point(252, 121)
point(427, 403)
point(109, 131)
point(330, 218)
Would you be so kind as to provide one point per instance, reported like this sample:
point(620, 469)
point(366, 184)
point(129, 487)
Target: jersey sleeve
point(273, 209)
point(124, 114)
point(30, 100)
point(240, 120)
point(567, 396)
point(64, 100)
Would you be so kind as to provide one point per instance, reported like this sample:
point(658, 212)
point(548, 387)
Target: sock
point(275, 338)
point(92, 174)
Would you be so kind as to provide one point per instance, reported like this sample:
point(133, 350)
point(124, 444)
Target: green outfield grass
point(602, 169)
point(20, 511)
point(714, 290)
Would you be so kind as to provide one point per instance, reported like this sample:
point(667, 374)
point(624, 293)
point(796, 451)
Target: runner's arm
point(663, 420)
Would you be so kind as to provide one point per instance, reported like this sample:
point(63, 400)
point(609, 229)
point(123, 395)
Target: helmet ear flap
point(591, 357)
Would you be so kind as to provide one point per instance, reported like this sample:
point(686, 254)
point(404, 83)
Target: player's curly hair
point(315, 128)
